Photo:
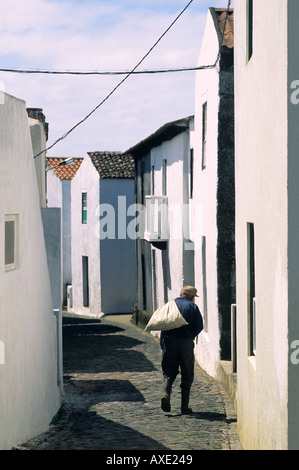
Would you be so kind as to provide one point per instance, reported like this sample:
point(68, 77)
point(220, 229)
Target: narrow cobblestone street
point(112, 388)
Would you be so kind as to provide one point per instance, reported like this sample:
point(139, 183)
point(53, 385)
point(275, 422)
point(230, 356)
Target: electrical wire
point(110, 72)
point(98, 72)
point(119, 84)
point(133, 71)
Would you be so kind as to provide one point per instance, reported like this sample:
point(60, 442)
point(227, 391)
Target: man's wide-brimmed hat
point(189, 291)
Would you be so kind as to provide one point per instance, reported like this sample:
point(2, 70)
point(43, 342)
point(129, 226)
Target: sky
point(102, 35)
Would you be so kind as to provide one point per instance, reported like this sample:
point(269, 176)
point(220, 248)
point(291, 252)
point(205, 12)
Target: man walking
point(178, 350)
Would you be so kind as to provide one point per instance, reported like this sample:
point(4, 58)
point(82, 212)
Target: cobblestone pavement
point(112, 389)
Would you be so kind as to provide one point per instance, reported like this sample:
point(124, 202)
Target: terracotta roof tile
point(113, 164)
point(64, 172)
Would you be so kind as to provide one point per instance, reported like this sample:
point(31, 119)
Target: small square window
point(11, 242)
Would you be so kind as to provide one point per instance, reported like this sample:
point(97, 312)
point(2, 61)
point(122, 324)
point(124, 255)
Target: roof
point(164, 133)
point(221, 17)
point(64, 172)
point(113, 164)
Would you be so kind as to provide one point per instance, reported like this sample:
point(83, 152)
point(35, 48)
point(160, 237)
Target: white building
point(29, 390)
point(85, 282)
point(59, 194)
point(187, 166)
point(164, 254)
point(114, 216)
point(267, 198)
point(212, 201)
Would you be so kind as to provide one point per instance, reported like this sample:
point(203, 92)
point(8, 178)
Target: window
point(251, 290)
point(164, 177)
point(154, 280)
point(84, 208)
point(144, 292)
point(191, 173)
point(156, 221)
point(153, 180)
point(204, 134)
point(11, 242)
point(142, 171)
point(249, 29)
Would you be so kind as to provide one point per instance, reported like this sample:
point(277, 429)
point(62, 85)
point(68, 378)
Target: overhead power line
point(119, 84)
point(133, 71)
point(101, 72)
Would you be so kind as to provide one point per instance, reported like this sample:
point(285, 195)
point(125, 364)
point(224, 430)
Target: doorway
point(85, 281)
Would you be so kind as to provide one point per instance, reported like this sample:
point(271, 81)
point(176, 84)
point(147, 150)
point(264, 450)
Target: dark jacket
point(192, 315)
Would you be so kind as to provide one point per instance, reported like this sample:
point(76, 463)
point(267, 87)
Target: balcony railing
point(156, 219)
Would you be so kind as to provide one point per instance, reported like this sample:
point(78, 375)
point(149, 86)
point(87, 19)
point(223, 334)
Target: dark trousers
point(178, 355)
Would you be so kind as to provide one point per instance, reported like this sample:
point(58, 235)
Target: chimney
point(39, 130)
point(37, 113)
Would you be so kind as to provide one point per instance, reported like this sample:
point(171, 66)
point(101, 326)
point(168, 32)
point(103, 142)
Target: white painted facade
point(164, 258)
point(29, 394)
point(168, 269)
point(267, 195)
point(99, 268)
point(84, 239)
point(59, 196)
point(204, 203)
point(212, 85)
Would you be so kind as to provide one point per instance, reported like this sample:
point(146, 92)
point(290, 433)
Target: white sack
point(167, 317)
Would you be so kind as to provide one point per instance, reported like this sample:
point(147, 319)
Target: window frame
point(164, 177)
point(15, 264)
point(251, 267)
point(84, 208)
point(249, 33)
point(153, 180)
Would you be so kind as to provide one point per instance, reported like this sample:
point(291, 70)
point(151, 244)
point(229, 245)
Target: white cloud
point(102, 35)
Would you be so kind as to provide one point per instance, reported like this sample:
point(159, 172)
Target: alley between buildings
point(112, 388)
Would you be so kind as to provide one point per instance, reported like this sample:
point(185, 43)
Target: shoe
point(165, 402)
point(185, 409)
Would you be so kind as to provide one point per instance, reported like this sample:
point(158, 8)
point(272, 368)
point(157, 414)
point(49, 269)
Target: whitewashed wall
point(29, 395)
point(59, 195)
point(203, 206)
point(54, 190)
point(85, 241)
point(169, 263)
